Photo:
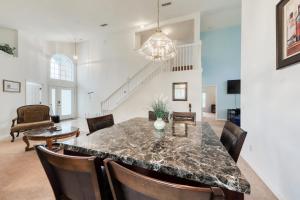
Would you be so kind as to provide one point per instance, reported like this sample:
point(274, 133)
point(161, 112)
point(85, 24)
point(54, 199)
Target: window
point(203, 100)
point(62, 68)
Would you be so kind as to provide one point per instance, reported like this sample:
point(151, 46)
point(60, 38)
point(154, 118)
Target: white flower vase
point(159, 124)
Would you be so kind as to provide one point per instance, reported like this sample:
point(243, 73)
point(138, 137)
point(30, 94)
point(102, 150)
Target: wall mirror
point(180, 91)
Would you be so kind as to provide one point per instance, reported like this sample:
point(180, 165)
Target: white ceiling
point(64, 20)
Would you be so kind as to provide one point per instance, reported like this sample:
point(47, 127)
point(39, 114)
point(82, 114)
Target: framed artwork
point(11, 86)
point(288, 32)
point(180, 91)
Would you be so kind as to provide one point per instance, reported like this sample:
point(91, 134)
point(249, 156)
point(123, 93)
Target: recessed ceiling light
point(103, 25)
point(166, 4)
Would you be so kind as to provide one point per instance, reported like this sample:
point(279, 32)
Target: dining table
point(189, 152)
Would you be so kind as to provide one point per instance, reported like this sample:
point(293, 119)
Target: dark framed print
point(180, 91)
point(288, 32)
point(11, 86)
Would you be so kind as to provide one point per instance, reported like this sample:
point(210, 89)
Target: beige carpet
point(22, 176)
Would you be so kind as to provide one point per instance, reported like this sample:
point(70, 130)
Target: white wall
point(106, 62)
point(104, 65)
point(139, 104)
point(221, 18)
point(270, 103)
point(30, 65)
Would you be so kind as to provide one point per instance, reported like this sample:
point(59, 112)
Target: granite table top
point(194, 154)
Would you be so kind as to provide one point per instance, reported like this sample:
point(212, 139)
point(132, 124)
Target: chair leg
point(18, 134)
point(13, 136)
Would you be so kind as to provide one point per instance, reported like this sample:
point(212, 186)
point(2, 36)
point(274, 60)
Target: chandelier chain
point(158, 14)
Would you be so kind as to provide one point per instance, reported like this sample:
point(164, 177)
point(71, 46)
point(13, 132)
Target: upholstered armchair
point(30, 117)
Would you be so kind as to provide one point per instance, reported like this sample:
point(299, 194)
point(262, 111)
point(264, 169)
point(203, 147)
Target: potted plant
point(7, 49)
point(159, 108)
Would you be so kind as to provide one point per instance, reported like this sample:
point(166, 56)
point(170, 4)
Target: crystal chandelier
point(158, 46)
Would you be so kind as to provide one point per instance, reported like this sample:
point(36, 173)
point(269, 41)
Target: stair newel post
point(191, 56)
point(184, 57)
point(198, 56)
point(181, 58)
point(194, 53)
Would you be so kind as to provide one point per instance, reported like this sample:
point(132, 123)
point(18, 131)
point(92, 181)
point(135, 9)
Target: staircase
point(187, 58)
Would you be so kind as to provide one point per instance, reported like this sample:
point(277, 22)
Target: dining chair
point(101, 122)
point(233, 138)
point(129, 185)
point(152, 117)
point(73, 177)
point(184, 117)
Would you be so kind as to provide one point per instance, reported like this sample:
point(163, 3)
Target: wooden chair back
point(233, 138)
point(152, 117)
point(129, 185)
point(101, 122)
point(184, 117)
point(71, 177)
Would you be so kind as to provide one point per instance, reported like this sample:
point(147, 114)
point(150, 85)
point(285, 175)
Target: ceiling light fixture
point(75, 57)
point(142, 26)
point(103, 25)
point(158, 46)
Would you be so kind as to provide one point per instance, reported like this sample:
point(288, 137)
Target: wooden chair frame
point(155, 188)
point(109, 119)
point(70, 163)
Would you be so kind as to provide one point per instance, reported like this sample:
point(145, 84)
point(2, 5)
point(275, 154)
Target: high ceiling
point(65, 20)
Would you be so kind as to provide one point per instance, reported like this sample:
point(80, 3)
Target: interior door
point(33, 93)
point(62, 102)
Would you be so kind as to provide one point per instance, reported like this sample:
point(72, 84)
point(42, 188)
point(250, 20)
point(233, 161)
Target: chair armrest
point(13, 121)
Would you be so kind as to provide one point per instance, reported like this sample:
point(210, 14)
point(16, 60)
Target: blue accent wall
point(221, 61)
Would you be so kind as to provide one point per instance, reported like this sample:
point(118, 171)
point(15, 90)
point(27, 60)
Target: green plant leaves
point(7, 49)
point(159, 108)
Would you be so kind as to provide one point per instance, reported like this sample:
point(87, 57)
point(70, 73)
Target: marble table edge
point(157, 168)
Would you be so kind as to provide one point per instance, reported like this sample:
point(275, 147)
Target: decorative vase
point(159, 124)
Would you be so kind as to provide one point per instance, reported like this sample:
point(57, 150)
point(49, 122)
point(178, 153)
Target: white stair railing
point(147, 73)
point(187, 58)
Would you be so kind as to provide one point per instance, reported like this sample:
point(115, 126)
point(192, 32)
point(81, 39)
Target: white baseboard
point(220, 119)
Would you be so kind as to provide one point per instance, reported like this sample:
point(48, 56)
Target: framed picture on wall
point(11, 86)
point(288, 32)
point(180, 91)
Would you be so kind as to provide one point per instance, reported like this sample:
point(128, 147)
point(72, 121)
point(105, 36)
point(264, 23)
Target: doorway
point(209, 107)
point(33, 93)
point(62, 102)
